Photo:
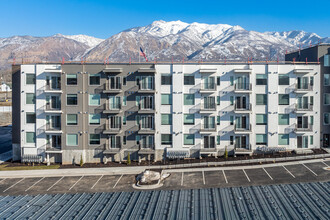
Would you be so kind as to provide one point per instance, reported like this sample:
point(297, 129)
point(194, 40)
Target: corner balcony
point(303, 108)
point(242, 108)
point(241, 129)
point(243, 87)
point(208, 87)
point(302, 128)
point(304, 88)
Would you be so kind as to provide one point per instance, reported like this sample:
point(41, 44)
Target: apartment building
point(319, 53)
point(98, 113)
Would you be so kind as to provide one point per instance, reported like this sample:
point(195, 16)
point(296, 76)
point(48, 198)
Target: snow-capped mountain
point(85, 39)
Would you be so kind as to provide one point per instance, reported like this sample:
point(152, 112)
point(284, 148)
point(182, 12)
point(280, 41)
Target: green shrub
point(81, 161)
point(226, 153)
point(128, 159)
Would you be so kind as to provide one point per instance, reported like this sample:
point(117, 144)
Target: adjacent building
point(98, 113)
point(320, 54)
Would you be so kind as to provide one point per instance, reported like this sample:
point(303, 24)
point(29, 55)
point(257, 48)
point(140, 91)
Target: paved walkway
point(132, 170)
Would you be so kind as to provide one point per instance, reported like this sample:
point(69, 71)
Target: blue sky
point(101, 18)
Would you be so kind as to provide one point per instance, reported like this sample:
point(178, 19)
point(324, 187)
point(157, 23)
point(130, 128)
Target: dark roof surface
point(293, 201)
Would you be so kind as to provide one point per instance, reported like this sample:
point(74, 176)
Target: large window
point(189, 99)
point(30, 137)
point(166, 79)
point(261, 139)
point(283, 139)
point(30, 117)
point(283, 119)
point(261, 99)
point(283, 99)
point(72, 140)
point(261, 119)
point(94, 139)
point(166, 99)
point(166, 119)
point(94, 79)
point(72, 99)
point(327, 60)
point(283, 79)
point(261, 79)
point(189, 139)
point(94, 119)
point(166, 139)
point(327, 98)
point(326, 118)
point(71, 79)
point(189, 80)
point(189, 119)
point(30, 79)
point(71, 119)
point(327, 79)
point(30, 98)
point(94, 99)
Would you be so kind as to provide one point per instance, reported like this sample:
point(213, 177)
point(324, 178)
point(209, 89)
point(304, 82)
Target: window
point(218, 100)
point(30, 98)
point(137, 100)
point(218, 140)
point(283, 119)
point(189, 139)
point(137, 119)
point(188, 119)
point(261, 119)
point(166, 99)
point(124, 100)
point(218, 80)
point(71, 139)
point(311, 80)
point(71, 79)
point(189, 80)
point(311, 140)
point(327, 60)
point(94, 119)
point(166, 119)
point(124, 120)
point(283, 139)
point(231, 99)
point(311, 100)
point(311, 120)
point(30, 137)
point(261, 79)
point(261, 99)
point(261, 139)
point(124, 80)
point(72, 99)
point(166, 139)
point(327, 98)
point(327, 79)
point(231, 140)
point(231, 80)
point(231, 119)
point(137, 80)
point(326, 118)
point(166, 79)
point(94, 79)
point(218, 120)
point(30, 79)
point(94, 99)
point(283, 99)
point(94, 139)
point(30, 117)
point(189, 99)
point(283, 79)
point(71, 119)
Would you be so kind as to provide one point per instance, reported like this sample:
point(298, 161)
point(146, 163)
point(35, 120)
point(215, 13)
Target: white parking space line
point(76, 183)
point(3, 180)
point(309, 169)
point(182, 179)
point(268, 174)
point(13, 185)
point(34, 184)
point(321, 161)
point(246, 176)
point(118, 181)
point(223, 172)
point(96, 182)
point(288, 171)
point(55, 183)
point(203, 177)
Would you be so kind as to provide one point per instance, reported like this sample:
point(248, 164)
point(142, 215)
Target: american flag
point(143, 54)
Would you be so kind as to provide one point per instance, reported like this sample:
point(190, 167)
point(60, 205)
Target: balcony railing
point(147, 127)
point(53, 88)
point(52, 146)
point(208, 127)
point(303, 127)
point(113, 86)
point(303, 87)
point(242, 146)
point(53, 107)
point(50, 127)
point(303, 107)
point(243, 107)
point(147, 146)
point(114, 146)
point(242, 128)
point(208, 106)
point(243, 86)
point(208, 86)
point(147, 86)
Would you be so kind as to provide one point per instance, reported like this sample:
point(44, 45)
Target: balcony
point(302, 128)
point(146, 129)
point(146, 149)
point(303, 108)
point(248, 71)
point(208, 107)
point(112, 128)
point(53, 109)
point(146, 109)
point(53, 149)
point(112, 88)
point(53, 129)
point(53, 89)
point(146, 88)
point(208, 87)
point(240, 149)
point(242, 87)
point(302, 70)
point(147, 70)
point(207, 128)
point(303, 88)
point(207, 70)
point(242, 129)
point(113, 70)
point(242, 108)
point(115, 108)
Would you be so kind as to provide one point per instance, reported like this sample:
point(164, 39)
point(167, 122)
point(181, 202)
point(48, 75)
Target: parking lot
point(179, 179)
